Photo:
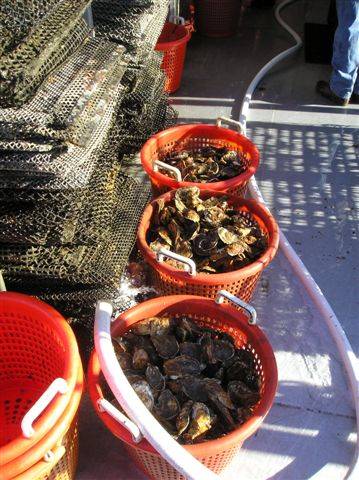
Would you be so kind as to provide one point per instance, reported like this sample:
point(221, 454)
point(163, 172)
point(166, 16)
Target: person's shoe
point(324, 89)
point(354, 98)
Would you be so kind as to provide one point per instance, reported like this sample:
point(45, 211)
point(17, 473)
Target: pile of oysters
point(217, 237)
point(206, 165)
point(193, 379)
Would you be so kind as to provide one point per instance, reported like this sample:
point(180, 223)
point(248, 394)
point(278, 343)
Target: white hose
point(151, 429)
point(346, 352)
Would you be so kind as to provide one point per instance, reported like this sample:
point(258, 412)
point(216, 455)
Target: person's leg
point(346, 49)
point(356, 86)
point(355, 95)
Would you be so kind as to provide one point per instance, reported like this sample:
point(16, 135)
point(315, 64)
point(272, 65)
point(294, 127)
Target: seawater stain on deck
point(309, 177)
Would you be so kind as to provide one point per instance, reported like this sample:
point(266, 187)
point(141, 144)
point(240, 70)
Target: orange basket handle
point(189, 264)
point(222, 294)
point(105, 406)
point(229, 121)
point(165, 166)
point(59, 385)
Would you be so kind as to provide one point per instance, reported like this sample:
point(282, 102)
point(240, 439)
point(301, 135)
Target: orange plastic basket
point(193, 137)
point(217, 18)
point(36, 347)
point(61, 443)
point(171, 281)
point(215, 454)
point(64, 465)
point(173, 43)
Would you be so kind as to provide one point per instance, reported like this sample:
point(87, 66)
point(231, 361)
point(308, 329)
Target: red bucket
point(169, 280)
point(193, 137)
point(217, 18)
point(215, 454)
point(173, 44)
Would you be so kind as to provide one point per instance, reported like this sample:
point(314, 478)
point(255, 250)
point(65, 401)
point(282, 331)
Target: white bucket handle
point(105, 406)
point(222, 294)
point(150, 428)
point(177, 20)
point(190, 264)
point(229, 121)
point(170, 168)
point(59, 385)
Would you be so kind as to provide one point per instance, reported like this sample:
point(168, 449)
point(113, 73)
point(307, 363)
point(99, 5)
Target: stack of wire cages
point(71, 124)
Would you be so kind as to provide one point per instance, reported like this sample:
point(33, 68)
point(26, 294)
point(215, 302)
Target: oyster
point(166, 345)
point(192, 378)
point(241, 394)
point(195, 388)
point(207, 164)
point(184, 417)
point(140, 358)
point(191, 350)
point(124, 359)
point(217, 237)
point(167, 405)
point(180, 366)
point(201, 422)
point(154, 377)
point(143, 390)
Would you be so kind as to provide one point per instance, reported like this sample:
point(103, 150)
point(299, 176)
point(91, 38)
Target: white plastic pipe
point(346, 352)
point(151, 429)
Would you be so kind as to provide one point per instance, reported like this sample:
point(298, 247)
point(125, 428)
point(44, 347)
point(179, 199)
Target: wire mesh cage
point(135, 24)
point(70, 198)
point(38, 37)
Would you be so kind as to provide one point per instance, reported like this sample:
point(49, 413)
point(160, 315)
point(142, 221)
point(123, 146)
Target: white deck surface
point(309, 176)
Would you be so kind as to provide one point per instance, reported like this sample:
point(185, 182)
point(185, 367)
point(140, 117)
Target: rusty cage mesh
point(36, 37)
point(69, 193)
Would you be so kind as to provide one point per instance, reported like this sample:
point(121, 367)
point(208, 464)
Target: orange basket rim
point(162, 46)
point(238, 321)
point(53, 412)
point(28, 459)
point(223, 133)
point(254, 207)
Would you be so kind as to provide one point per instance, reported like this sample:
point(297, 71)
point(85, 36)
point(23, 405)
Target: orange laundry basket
point(56, 453)
point(173, 43)
point(64, 463)
point(38, 351)
point(172, 281)
point(215, 454)
point(193, 137)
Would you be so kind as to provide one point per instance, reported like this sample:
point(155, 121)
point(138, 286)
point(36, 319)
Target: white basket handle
point(190, 265)
point(105, 406)
point(54, 456)
point(222, 294)
point(151, 429)
point(57, 386)
point(177, 19)
point(170, 168)
point(2, 283)
point(229, 121)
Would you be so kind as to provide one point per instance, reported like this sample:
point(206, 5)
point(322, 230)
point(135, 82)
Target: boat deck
point(309, 177)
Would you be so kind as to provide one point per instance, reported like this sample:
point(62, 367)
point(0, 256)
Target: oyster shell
point(193, 378)
point(180, 366)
